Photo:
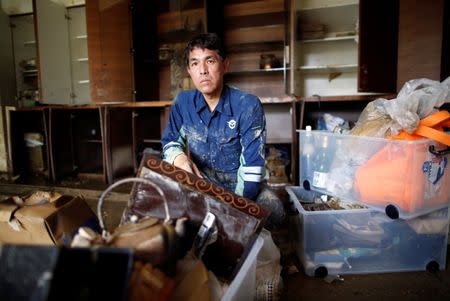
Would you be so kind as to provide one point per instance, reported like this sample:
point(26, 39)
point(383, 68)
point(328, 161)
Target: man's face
point(206, 70)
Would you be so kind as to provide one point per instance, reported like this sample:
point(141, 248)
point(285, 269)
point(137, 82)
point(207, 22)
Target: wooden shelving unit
point(325, 48)
point(102, 142)
point(253, 29)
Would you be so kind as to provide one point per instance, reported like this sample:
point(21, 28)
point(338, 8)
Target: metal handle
point(129, 180)
point(442, 152)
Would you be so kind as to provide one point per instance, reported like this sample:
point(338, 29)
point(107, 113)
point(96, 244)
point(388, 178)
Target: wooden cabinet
point(135, 47)
point(49, 52)
point(343, 47)
point(77, 143)
point(62, 53)
point(84, 144)
point(254, 34)
point(131, 129)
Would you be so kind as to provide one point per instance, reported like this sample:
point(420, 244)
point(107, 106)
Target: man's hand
point(183, 162)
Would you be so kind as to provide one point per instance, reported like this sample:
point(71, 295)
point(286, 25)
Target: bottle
point(321, 164)
point(307, 156)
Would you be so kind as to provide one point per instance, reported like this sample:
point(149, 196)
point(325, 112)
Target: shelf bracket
point(333, 75)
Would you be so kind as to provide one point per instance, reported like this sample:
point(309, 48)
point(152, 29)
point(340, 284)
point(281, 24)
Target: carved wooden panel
point(238, 219)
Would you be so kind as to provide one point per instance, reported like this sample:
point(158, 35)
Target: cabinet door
point(378, 39)
point(145, 50)
point(421, 42)
point(445, 64)
point(54, 52)
point(61, 143)
point(79, 54)
point(119, 143)
point(109, 48)
point(23, 57)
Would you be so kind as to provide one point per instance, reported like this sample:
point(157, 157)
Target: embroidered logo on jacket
point(231, 123)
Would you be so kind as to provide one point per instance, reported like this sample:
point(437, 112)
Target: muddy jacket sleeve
point(253, 138)
point(173, 140)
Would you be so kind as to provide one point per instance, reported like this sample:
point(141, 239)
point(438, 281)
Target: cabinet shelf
point(256, 34)
point(91, 141)
point(152, 140)
point(29, 73)
point(360, 97)
point(177, 36)
point(329, 68)
point(253, 71)
point(331, 38)
point(279, 141)
point(312, 5)
point(29, 43)
point(277, 100)
point(255, 47)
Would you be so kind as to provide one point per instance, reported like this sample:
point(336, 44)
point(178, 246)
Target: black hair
point(209, 41)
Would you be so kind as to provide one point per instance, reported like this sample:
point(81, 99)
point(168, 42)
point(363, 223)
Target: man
point(222, 127)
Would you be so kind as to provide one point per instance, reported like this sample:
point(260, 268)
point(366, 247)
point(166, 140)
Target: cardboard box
point(34, 143)
point(45, 223)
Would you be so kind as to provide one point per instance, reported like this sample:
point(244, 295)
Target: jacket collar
point(223, 106)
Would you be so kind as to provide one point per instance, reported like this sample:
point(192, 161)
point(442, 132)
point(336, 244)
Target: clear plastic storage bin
point(243, 286)
point(402, 178)
point(362, 241)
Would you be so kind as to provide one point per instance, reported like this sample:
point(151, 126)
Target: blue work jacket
point(227, 144)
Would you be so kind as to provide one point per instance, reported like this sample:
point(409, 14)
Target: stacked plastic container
point(404, 186)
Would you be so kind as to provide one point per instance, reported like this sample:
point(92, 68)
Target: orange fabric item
point(429, 127)
point(406, 174)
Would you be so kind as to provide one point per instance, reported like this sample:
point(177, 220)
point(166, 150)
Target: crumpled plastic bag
point(269, 283)
point(332, 123)
point(417, 99)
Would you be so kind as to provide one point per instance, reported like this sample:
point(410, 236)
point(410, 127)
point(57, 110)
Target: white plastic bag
point(417, 99)
point(268, 270)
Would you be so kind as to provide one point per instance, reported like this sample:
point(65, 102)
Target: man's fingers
point(187, 167)
point(183, 162)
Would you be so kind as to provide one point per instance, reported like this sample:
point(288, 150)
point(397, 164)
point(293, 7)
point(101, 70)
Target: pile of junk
point(180, 237)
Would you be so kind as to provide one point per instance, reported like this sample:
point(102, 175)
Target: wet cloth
point(227, 144)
